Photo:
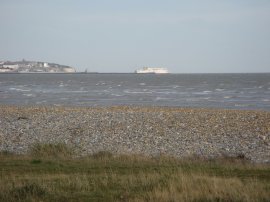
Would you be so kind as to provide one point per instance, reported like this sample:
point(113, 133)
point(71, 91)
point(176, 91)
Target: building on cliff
point(34, 67)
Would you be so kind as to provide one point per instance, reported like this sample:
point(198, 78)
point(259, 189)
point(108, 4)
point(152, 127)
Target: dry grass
point(45, 176)
point(59, 150)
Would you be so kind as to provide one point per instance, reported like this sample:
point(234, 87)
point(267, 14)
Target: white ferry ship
point(149, 70)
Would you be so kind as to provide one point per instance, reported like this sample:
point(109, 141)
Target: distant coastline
point(25, 66)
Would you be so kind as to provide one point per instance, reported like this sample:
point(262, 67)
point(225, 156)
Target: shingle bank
point(178, 132)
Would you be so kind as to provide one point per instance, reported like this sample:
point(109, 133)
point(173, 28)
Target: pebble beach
point(150, 131)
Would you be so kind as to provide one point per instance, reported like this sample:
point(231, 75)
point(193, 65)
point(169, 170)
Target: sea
point(229, 91)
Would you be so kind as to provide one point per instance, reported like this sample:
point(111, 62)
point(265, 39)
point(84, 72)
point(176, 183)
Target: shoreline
point(151, 131)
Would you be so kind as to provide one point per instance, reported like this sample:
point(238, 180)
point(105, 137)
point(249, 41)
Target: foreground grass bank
point(51, 173)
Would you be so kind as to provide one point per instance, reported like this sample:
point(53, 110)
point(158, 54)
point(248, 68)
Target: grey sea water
point(234, 91)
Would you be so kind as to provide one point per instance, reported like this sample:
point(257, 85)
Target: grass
point(51, 173)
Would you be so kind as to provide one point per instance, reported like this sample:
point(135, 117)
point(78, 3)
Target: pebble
point(172, 131)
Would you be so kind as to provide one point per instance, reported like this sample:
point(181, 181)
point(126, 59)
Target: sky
point(192, 36)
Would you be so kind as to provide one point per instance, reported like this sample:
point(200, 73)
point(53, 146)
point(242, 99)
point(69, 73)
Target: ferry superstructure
point(151, 70)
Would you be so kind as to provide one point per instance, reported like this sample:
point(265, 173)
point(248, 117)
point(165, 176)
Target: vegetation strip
point(51, 175)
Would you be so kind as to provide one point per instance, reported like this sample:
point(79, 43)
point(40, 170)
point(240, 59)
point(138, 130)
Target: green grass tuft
point(102, 155)
point(6, 153)
point(28, 190)
point(36, 161)
point(59, 150)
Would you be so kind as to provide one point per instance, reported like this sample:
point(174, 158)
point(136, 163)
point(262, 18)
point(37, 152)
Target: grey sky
point(122, 35)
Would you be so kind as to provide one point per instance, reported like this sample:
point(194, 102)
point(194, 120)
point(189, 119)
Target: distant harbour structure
point(152, 70)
